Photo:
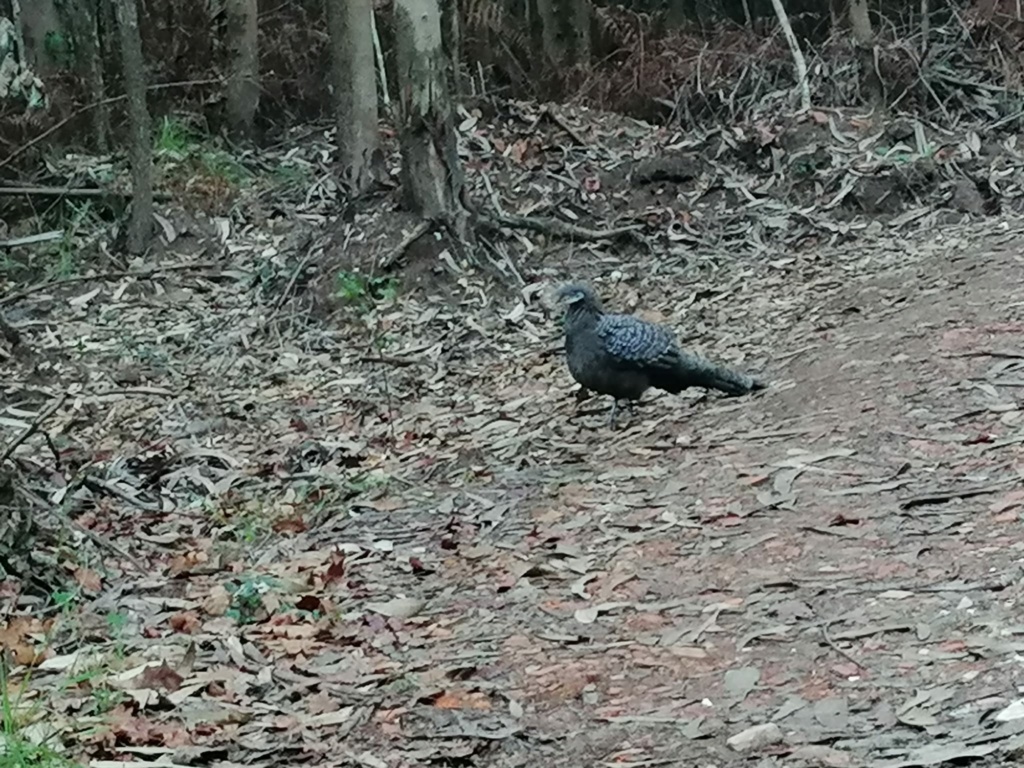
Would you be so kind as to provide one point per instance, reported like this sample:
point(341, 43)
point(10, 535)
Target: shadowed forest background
point(291, 468)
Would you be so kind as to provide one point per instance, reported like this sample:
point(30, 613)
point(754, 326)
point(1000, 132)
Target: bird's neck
point(578, 318)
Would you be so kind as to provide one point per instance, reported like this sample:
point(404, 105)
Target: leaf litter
point(294, 544)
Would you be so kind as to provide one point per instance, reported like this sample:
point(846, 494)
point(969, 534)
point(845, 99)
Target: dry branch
point(798, 56)
point(560, 228)
point(396, 253)
point(32, 428)
point(72, 192)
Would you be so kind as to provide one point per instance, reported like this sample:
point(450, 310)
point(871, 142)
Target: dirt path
point(801, 559)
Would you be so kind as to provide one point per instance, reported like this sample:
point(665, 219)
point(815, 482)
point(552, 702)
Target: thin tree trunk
point(354, 80)
point(132, 63)
point(87, 41)
point(243, 90)
point(432, 171)
point(580, 24)
point(548, 21)
point(39, 21)
point(799, 63)
point(863, 35)
point(925, 28)
point(451, 36)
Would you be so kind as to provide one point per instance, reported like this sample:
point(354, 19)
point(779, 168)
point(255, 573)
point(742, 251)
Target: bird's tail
point(693, 371)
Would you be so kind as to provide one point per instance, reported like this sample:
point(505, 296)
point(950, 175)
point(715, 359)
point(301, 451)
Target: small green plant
point(10, 268)
point(92, 680)
point(366, 482)
point(362, 291)
point(247, 598)
point(22, 733)
point(222, 165)
point(61, 258)
point(175, 138)
point(60, 49)
point(65, 599)
point(291, 175)
point(805, 166)
point(117, 622)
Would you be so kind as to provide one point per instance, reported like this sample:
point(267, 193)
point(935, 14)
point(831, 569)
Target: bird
point(623, 356)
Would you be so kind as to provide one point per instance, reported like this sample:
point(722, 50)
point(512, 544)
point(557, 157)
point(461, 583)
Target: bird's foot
point(630, 407)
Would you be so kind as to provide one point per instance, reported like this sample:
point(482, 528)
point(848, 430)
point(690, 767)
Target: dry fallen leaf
point(400, 607)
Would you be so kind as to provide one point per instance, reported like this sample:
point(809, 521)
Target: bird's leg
point(631, 405)
point(615, 411)
point(581, 394)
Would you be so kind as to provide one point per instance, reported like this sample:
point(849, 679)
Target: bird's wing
point(632, 342)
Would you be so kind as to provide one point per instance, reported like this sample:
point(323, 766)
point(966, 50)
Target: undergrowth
point(361, 291)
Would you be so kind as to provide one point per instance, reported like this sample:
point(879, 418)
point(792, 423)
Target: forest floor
point(388, 536)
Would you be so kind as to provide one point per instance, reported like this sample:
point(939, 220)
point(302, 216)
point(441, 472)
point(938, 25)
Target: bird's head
point(577, 296)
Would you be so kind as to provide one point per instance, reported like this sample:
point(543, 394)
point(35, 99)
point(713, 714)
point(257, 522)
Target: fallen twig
point(73, 192)
point(291, 282)
point(1009, 354)
point(560, 228)
point(95, 538)
point(557, 120)
point(942, 496)
point(401, 362)
point(399, 250)
point(39, 237)
point(95, 483)
point(32, 428)
point(832, 644)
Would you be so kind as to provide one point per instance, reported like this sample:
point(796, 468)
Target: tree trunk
point(925, 28)
point(243, 90)
point(140, 226)
point(580, 24)
point(451, 37)
point(864, 37)
point(39, 20)
point(87, 42)
point(799, 63)
point(355, 89)
point(432, 171)
point(548, 21)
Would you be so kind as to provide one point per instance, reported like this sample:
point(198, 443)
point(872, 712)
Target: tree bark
point(548, 21)
point(432, 171)
point(451, 38)
point(85, 16)
point(864, 37)
point(243, 90)
point(581, 27)
point(140, 226)
point(925, 28)
point(39, 18)
point(354, 81)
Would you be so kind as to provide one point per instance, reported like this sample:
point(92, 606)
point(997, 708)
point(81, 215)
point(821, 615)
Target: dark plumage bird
point(623, 356)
